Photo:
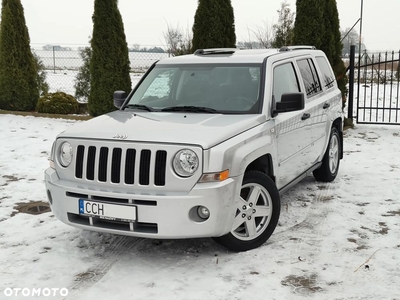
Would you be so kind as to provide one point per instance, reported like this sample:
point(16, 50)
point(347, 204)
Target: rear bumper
point(158, 216)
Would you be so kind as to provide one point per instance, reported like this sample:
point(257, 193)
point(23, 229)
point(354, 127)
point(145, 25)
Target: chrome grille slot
point(91, 163)
point(79, 161)
point(144, 174)
point(130, 166)
point(160, 168)
point(121, 165)
point(103, 164)
point(116, 165)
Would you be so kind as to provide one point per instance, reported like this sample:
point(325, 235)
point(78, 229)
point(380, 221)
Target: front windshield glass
point(220, 88)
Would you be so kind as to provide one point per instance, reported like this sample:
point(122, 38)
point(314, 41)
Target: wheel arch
point(338, 124)
point(263, 164)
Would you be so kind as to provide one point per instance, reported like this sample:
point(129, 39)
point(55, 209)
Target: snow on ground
point(334, 241)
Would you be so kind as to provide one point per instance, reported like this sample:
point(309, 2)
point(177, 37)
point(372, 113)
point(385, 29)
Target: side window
point(285, 81)
point(327, 74)
point(310, 77)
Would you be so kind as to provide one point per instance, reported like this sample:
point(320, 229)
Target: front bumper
point(158, 215)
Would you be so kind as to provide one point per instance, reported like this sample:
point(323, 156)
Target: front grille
point(117, 165)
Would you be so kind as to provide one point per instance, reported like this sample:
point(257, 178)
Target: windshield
point(200, 88)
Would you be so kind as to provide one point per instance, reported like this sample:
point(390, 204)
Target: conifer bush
point(57, 103)
point(109, 64)
point(82, 80)
point(18, 70)
point(317, 24)
point(214, 25)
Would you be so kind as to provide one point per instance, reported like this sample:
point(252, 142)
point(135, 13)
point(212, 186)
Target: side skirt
point(299, 178)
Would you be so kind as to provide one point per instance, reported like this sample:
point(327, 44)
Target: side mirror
point(119, 98)
point(289, 102)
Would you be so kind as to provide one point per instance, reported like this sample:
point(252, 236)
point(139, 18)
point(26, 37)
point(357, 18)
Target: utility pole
point(361, 22)
point(359, 57)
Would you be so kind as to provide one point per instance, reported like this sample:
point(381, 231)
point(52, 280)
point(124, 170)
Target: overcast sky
point(68, 22)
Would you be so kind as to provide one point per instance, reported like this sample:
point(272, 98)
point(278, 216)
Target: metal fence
point(377, 88)
point(62, 66)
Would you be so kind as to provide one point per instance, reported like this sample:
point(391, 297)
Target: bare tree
point(249, 42)
point(178, 41)
point(136, 47)
point(264, 34)
point(350, 37)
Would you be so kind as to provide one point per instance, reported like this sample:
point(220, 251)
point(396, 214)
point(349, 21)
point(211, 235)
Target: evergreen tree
point(214, 25)
point(18, 70)
point(109, 65)
point(332, 44)
point(309, 23)
point(317, 24)
point(284, 28)
point(82, 80)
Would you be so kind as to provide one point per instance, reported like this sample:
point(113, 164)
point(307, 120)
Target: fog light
point(203, 212)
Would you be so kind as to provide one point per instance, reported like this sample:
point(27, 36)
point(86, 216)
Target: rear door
point(327, 103)
point(317, 101)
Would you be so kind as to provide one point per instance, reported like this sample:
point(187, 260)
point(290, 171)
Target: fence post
point(54, 60)
point(351, 81)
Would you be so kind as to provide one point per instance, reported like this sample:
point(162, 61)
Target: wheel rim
point(253, 213)
point(333, 154)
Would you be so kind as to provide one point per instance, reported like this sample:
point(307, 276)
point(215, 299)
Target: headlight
point(65, 154)
point(185, 163)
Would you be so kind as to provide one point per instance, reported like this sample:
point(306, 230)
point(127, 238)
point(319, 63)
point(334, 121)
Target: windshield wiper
point(195, 109)
point(140, 106)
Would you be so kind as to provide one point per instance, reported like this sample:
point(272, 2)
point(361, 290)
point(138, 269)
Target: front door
point(293, 129)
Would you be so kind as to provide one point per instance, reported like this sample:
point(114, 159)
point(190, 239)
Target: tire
point(330, 163)
point(257, 213)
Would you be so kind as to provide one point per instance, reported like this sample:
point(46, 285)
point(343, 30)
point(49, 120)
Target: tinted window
point(328, 78)
point(310, 77)
point(285, 81)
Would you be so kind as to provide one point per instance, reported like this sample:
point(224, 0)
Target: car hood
point(205, 130)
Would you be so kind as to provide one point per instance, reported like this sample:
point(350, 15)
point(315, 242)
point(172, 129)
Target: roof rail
point(215, 51)
point(290, 48)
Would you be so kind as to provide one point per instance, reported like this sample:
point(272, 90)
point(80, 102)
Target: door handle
point(305, 117)
point(326, 105)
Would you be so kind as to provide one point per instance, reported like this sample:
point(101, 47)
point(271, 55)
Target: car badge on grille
point(120, 137)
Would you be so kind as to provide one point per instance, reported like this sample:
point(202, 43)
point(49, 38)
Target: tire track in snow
point(117, 249)
point(309, 236)
point(313, 227)
point(314, 220)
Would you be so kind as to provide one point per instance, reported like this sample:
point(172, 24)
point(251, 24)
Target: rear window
point(309, 76)
point(328, 78)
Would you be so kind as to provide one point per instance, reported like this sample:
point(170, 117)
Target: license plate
point(107, 211)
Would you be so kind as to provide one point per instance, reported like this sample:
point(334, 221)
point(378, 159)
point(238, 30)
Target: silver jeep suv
point(202, 147)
